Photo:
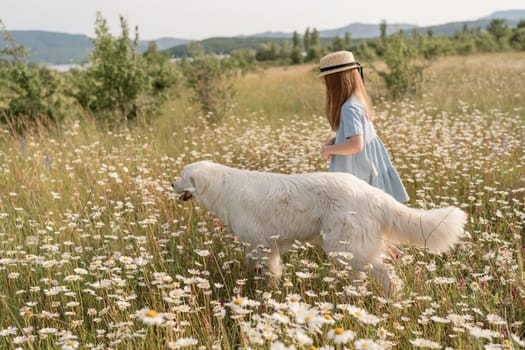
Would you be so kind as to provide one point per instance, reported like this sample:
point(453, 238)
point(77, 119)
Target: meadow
point(97, 252)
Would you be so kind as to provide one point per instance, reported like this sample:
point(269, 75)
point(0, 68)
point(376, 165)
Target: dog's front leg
point(274, 264)
point(257, 261)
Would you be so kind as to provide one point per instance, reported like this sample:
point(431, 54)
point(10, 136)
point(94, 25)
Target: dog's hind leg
point(363, 252)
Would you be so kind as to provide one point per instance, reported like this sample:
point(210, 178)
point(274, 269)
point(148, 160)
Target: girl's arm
point(352, 145)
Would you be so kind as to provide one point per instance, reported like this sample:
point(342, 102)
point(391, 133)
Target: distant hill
point(358, 31)
point(52, 47)
point(509, 15)
point(368, 31)
point(162, 43)
point(58, 48)
point(225, 45)
point(365, 31)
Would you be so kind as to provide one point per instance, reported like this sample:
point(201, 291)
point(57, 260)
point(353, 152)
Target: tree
point(296, 54)
point(337, 44)
point(267, 52)
point(244, 59)
point(348, 40)
point(306, 39)
point(313, 52)
point(115, 77)
point(499, 29)
point(517, 38)
point(382, 30)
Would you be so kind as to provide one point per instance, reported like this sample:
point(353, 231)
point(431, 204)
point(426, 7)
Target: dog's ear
point(199, 183)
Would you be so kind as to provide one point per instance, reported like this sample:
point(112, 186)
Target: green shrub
point(404, 76)
point(208, 78)
point(160, 72)
point(517, 39)
point(29, 95)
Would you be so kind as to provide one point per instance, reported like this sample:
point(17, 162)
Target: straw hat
point(337, 62)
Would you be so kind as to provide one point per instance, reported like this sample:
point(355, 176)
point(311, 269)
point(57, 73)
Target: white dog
point(337, 211)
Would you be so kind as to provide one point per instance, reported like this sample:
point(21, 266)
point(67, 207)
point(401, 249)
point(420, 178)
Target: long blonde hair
point(339, 87)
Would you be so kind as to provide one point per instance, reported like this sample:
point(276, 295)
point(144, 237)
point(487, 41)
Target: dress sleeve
point(352, 120)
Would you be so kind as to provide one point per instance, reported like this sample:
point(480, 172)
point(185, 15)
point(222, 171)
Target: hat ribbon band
point(351, 64)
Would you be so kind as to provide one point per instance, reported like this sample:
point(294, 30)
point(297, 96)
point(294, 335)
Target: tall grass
point(98, 253)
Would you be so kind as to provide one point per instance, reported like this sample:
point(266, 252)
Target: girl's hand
point(331, 141)
point(325, 151)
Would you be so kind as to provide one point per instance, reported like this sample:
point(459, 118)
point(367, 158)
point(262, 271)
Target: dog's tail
point(437, 230)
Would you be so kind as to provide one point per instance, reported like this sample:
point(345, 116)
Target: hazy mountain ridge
point(56, 47)
point(510, 15)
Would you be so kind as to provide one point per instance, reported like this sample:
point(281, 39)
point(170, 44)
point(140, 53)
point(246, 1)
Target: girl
point(356, 148)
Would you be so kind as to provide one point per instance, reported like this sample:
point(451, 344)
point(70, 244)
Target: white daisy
point(150, 317)
point(340, 335)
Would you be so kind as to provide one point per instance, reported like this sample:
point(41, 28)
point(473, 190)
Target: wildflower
point(293, 298)
point(328, 319)
point(126, 260)
point(8, 331)
point(340, 335)
point(382, 333)
point(203, 253)
point(182, 308)
point(26, 312)
point(48, 331)
point(122, 304)
point(76, 323)
point(183, 343)
point(495, 319)
point(281, 317)
point(362, 315)
point(238, 302)
point(80, 271)
point(477, 332)
point(310, 317)
point(300, 336)
point(13, 275)
point(254, 336)
point(366, 344)
point(72, 278)
point(150, 317)
point(459, 320)
point(424, 343)
point(475, 286)
point(304, 275)
point(20, 340)
point(438, 319)
point(70, 345)
point(280, 346)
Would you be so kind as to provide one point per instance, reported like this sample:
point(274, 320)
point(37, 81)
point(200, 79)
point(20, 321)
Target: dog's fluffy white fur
point(337, 211)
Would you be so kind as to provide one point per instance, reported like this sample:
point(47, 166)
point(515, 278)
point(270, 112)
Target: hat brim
point(332, 71)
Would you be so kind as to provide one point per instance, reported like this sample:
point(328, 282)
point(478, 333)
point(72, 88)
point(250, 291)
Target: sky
point(200, 19)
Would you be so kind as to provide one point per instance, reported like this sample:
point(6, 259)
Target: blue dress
point(373, 164)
